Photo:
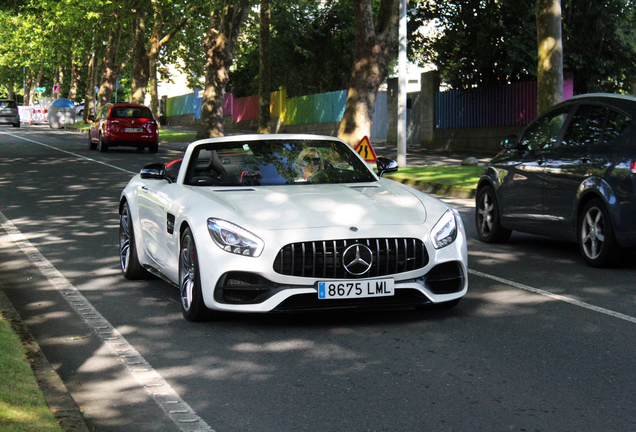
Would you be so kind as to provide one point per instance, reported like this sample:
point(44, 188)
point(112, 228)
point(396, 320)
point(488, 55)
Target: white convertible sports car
point(285, 223)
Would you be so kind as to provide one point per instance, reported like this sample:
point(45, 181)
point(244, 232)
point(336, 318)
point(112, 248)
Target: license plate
point(133, 130)
point(355, 289)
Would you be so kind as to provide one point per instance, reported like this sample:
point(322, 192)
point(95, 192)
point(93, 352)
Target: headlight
point(234, 239)
point(445, 230)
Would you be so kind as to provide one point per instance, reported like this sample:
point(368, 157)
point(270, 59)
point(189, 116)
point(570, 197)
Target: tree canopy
point(486, 42)
point(312, 44)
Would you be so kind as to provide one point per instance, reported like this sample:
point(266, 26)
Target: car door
point(156, 217)
point(96, 125)
point(567, 165)
point(521, 192)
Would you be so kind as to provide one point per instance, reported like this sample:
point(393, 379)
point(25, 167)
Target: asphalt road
point(540, 343)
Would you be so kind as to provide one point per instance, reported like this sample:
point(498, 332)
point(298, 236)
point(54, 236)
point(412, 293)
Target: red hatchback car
point(123, 124)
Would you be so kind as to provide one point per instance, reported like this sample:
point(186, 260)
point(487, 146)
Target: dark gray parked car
point(571, 174)
point(9, 113)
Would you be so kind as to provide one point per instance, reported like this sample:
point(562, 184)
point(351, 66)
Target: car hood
point(317, 206)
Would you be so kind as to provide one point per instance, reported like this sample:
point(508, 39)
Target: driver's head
point(310, 161)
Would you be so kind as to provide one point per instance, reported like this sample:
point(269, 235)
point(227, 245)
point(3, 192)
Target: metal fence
point(504, 105)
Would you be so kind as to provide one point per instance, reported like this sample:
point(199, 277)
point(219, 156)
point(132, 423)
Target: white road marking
point(555, 296)
point(70, 153)
point(161, 392)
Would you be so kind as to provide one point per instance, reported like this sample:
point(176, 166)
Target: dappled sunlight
point(282, 346)
point(36, 306)
point(513, 297)
point(487, 257)
point(48, 316)
point(509, 303)
point(350, 212)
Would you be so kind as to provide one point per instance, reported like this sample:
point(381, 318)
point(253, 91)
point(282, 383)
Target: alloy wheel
point(124, 240)
point(485, 214)
point(593, 233)
point(187, 272)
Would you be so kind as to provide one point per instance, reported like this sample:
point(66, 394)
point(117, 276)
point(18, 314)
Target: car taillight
point(634, 167)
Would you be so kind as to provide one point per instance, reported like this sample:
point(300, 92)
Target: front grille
point(323, 259)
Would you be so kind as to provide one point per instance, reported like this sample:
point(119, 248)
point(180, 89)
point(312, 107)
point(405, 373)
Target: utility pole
point(402, 96)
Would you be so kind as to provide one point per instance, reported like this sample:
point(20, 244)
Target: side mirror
point(509, 142)
point(386, 165)
point(155, 171)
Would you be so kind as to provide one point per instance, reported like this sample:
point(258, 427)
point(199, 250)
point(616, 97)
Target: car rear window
point(8, 104)
point(130, 112)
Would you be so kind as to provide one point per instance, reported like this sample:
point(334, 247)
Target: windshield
point(275, 162)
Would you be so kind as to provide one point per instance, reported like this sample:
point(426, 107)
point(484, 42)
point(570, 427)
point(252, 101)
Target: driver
point(310, 161)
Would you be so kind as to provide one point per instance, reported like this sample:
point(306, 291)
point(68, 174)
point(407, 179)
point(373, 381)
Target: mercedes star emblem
point(357, 259)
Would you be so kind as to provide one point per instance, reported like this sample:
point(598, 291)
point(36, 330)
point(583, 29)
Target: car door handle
point(541, 161)
point(586, 159)
point(145, 189)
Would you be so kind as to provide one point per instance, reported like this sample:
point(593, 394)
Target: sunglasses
point(308, 160)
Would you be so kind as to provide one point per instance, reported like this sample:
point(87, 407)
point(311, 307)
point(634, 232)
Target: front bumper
point(443, 282)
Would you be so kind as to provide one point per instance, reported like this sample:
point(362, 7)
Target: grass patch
point(175, 136)
point(441, 180)
point(79, 125)
point(461, 176)
point(22, 404)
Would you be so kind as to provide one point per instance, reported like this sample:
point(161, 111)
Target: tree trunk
point(374, 48)
point(28, 84)
point(11, 90)
point(145, 67)
point(62, 81)
point(36, 83)
point(110, 68)
point(141, 65)
point(219, 47)
point(154, 91)
point(550, 68)
point(75, 78)
point(264, 92)
point(90, 85)
point(56, 80)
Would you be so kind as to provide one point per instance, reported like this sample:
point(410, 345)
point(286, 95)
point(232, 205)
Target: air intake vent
point(323, 259)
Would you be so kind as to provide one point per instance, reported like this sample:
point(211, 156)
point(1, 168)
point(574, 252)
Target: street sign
point(40, 89)
point(365, 150)
point(56, 88)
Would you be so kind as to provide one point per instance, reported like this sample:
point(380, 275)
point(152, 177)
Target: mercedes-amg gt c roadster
point(289, 223)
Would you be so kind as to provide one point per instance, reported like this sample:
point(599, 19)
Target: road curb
point(57, 396)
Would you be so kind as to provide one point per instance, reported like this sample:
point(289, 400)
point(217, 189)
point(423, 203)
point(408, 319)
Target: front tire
point(192, 305)
point(597, 241)
point(487, 220)
point(128, 259)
